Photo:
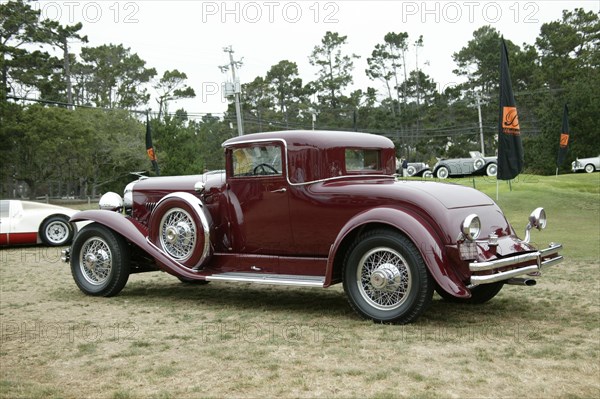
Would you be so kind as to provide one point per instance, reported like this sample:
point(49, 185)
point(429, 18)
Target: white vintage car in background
point(588, 164)
point(24, 222)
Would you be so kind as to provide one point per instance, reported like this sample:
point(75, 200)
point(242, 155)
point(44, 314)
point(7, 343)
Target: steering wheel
point(263, 169)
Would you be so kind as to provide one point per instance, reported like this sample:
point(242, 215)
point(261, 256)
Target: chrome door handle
point(281, 190)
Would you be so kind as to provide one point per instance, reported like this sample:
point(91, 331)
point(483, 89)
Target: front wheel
point(99, 261)
point(491, 170)
point(589, 168)
point(385, 278)
point(442, 172)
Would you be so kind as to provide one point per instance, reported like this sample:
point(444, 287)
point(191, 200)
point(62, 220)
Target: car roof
point(316, 138)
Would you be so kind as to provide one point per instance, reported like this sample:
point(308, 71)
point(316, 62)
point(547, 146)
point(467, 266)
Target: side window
point(258, 160)
point(359, 159)
point(4, 205)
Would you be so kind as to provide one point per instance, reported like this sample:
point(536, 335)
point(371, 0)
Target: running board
point(274, 279)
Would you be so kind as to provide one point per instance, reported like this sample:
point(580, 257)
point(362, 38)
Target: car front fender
point(419, 232)
point(137, 234)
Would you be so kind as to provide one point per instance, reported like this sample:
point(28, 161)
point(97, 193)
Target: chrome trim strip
point(494, 264)
point(494, 278)
point(552, 262)
point(551, 250)
point(272, 279)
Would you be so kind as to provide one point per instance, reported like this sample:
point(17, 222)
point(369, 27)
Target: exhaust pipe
point(521, 281)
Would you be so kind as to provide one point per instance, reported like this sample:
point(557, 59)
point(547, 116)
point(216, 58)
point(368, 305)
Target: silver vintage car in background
point(589, 165)
point(476, 164)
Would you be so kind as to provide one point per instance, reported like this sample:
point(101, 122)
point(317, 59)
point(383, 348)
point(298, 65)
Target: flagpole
point(510, 146)
point(497, 189)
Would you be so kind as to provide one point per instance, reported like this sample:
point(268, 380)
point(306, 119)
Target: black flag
point(150, 148)
point(510, 147)
point(564, 138)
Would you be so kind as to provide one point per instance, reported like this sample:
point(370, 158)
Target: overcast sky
point(190, 35)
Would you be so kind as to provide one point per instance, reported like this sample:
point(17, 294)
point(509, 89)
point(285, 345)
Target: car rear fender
point(137, 234)
point(417, 230)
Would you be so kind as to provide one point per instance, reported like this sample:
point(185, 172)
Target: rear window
point(360, 159)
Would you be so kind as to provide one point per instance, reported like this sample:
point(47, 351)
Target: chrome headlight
point(537, 219)
point(471, 227)
point(128, 195)
point(110, 202)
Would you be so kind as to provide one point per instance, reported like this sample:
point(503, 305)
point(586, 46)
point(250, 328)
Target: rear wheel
point(411, 170)
point(479, 294)
point(99, 261)
point(385, 278)
point(56, 231)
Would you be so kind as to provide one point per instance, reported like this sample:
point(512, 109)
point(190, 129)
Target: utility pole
point(236, 87)
point(477, 96)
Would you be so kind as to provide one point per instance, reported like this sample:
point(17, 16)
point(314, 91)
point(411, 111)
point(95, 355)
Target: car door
point(257, 193)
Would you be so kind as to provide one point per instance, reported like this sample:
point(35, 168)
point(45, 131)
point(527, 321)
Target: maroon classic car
point(311, 208)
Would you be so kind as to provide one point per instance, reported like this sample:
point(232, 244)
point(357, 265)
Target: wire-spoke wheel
point(99, 261)
point(56, 231)
point(178, 234)
point(95, 261)
point(386, 279)
point(180, 226)
point(383, 278)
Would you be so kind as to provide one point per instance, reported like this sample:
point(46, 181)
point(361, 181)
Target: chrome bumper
point(539, 257)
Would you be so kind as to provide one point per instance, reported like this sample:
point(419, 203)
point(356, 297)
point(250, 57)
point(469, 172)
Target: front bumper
point(515, 265)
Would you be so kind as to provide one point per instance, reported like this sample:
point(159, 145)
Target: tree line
point(86, 132)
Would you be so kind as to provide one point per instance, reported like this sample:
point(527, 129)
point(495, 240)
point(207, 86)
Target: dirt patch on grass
point(163, 339)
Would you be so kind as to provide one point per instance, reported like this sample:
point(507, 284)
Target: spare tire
point(180, 226)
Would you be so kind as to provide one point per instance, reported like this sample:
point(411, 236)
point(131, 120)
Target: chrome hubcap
point(56, 232)
point(95, 261)
point(386, 277)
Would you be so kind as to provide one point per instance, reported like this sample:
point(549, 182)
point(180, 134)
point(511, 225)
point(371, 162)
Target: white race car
point(24, 222)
